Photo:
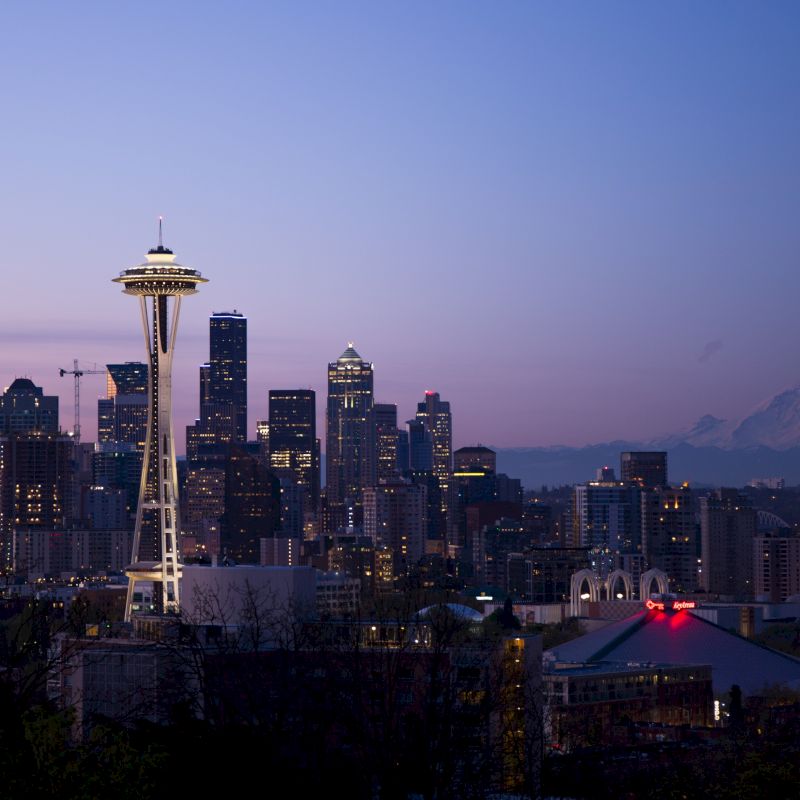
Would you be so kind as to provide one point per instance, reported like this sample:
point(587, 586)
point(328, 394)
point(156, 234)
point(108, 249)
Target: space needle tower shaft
point(160, 283)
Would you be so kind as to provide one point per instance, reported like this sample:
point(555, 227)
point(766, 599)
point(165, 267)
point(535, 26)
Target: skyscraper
point(380, 453)
point(24, 408)
point(160, 283)
point(349, 399)
point(293, 439)
point(670, 540)
point(420, 446)
point(606, 518)
point(647, 468)
point(227, 367)
point(127, 378)
point(434, 413)
point(252, 505)
point(395, 517)
point(35, 474)
point(728, 528)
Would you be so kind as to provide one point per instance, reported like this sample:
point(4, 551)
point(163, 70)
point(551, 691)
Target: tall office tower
point(160, 283)
point(24, 408)
point(728, 526)
point(670, 539)
point(394, 516)
point(420, 447)
point(227, 375)
point(648, 469)
point(127, 378)
point(380, 451)
point(105, 419)
point(349, 399)
point(35, 484)
point(35, 479)
point(122, 416)
point(402, 452)
point(435, 414)
point(205, 504)
point(475, 459)
point(606, 518)
point(252, 505)
point(262, 437)
point(293, 440)
point(205, 384)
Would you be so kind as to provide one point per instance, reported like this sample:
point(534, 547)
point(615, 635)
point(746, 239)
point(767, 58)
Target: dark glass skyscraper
point(349, 399)
point(122, 416)
point(646, 468)
point(293, 439)
point(380, 456)
point(227, 370)
point(127, 378)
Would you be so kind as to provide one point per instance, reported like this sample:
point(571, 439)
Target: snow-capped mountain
point(775, 424)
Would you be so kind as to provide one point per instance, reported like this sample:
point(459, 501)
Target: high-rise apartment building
point(24, 408)
point(394, 517)
point(350, 397)
point(35, 474)
point(292, 436)
point(776, 567)
point(648, 469)
point(728, 526)
point(670, 538)
point(380, 453)
point(227, 368)
point(605, 518)
point(35, 484)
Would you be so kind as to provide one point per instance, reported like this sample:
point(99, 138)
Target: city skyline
point(553, 214)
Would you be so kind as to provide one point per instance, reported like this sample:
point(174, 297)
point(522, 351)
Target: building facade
point(728, 526)
point(227, 368)
point(292, 436)
point(350, 397)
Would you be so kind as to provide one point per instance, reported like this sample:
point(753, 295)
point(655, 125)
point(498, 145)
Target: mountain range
point(713, 451)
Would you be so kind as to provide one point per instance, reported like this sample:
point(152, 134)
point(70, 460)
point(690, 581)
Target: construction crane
point(78, 373)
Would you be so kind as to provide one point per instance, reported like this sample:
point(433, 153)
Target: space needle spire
point(160, 283)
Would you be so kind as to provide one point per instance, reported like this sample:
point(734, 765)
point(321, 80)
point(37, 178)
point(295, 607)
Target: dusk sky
point(577, 221)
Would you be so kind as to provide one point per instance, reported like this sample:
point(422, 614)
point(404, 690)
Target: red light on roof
point(674, 605)
point(429, 393)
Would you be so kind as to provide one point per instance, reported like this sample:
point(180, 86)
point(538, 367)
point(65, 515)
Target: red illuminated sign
point(674, 605)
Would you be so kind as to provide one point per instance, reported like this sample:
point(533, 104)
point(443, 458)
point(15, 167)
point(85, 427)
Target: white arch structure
point(646, 583)
point(627, 584)
point(579, 579)
point(605, 588)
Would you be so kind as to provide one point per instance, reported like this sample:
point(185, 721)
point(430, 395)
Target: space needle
point(160, 283)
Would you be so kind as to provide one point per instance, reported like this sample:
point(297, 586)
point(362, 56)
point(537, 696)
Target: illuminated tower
point(160, 283)
point(349, 400)
point(227, 368)
point(434, 413)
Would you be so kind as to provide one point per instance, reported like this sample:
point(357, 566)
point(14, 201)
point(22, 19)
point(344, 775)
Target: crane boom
point(78, 374)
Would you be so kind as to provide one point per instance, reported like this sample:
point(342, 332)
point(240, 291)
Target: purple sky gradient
point(577, 222)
